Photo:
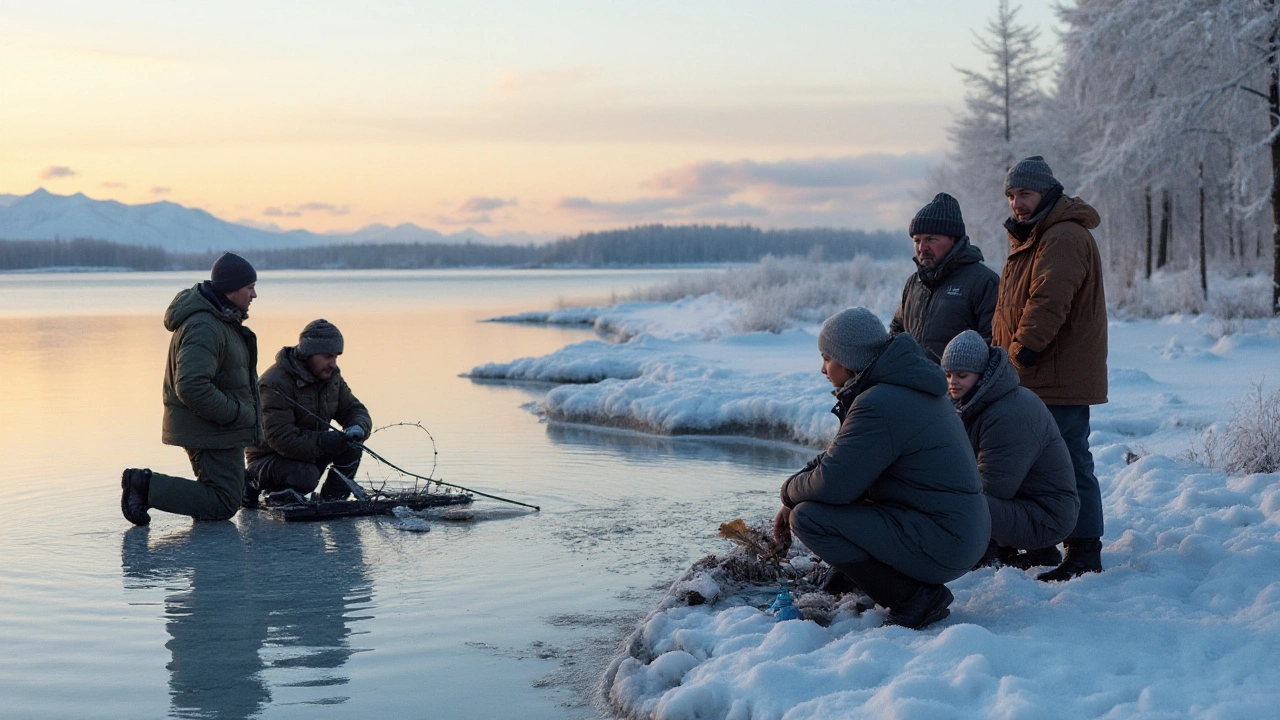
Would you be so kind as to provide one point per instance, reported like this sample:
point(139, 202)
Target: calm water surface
point(510, 617)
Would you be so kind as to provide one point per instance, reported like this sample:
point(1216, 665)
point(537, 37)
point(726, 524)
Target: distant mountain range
point(43, 215)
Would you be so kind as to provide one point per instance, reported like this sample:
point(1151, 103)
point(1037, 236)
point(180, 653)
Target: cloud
point(311, 207)
point(866, 191)
point(160, 190)
point(57, 172)
point(720, 179)
point(113, 185)
point(476, 205)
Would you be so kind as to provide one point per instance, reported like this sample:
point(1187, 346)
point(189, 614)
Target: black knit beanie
point(319, 336)
point(940, 217)
point(1032, 173)
point(230, 273)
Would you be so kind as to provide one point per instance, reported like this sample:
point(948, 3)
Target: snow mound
point(1183, 622)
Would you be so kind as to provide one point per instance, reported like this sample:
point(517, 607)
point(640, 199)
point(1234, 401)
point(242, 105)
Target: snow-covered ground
point(1184, 622)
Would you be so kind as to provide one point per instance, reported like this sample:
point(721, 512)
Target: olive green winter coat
point(211, 378)
point(290, 430)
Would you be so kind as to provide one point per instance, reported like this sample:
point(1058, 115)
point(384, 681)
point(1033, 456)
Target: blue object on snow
point(782, 607)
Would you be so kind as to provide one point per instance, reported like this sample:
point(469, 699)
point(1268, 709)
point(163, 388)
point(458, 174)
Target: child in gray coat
point(1026, 469)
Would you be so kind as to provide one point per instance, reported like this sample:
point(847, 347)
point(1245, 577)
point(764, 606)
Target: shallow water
point(509, 616)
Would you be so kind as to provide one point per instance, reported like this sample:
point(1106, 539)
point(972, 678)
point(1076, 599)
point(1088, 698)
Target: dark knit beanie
point(853, 337)
point(1032, 173)
point(940, 217)
point(967, 352)
point(319, 336)
point(231, 272)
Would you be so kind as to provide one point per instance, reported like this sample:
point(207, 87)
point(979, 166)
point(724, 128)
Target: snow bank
point(1184, 622)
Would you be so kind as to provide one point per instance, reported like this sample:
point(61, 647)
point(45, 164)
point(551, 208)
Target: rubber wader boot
point(135, 483)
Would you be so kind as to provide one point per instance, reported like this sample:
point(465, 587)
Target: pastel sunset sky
point(549, 116)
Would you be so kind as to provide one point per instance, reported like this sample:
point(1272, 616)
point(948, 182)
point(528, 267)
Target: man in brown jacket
point(1051, 317)
point(301, 394)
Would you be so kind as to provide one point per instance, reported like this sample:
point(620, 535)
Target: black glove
point(1027, 357)
point(333, 442)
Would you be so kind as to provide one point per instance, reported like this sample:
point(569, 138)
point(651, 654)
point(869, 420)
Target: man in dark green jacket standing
point(211, 404)
point(951, 290)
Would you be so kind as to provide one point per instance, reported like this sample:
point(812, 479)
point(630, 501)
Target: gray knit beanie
point(967, 352)
point(853, 337)
point(1033, 173)
point(319, 336)
point(230, 273)
point(940, 217)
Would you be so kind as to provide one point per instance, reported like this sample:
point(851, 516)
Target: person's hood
point(999, 378)
point(901, 363)
point(198, 299)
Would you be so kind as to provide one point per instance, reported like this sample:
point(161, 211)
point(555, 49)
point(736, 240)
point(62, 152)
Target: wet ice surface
point(504, 613)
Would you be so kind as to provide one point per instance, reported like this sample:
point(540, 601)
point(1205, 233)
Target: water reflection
point(639, 447)
point(251, 607)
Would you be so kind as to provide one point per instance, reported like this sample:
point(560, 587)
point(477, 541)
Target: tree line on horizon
point(635, 246)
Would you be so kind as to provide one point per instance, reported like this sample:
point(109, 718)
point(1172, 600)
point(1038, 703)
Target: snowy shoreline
point(1185, 621)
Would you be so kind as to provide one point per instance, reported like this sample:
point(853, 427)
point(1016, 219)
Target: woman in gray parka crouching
point(1026, 468)
point(895, 503)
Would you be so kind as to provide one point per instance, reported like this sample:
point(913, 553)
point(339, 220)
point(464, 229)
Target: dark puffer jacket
point(1026, 469)
point(939, 304)
point(211, 376)
point(292, 432)
point(902, 450)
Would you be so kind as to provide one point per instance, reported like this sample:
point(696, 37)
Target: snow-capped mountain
point(43, 215)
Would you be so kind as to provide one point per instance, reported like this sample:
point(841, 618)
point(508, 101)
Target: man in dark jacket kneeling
point(895, 503)
point(302, 393)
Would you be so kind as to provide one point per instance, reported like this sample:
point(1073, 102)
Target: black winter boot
point(251, 490)
point(911, 603)
point(837, 583)
point(1036, 558)
point(1084, 555)
point(135, 483)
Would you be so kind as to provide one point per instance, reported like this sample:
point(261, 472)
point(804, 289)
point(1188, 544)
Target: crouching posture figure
point(1026, 469)
point(301, 393)
point(895, 503)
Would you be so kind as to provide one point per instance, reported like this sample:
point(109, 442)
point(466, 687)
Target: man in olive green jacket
point(301, 394)
point(211, 405)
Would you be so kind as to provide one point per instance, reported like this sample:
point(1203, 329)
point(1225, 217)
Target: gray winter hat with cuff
point(853, 337)
point(318, 337)
point(967, 352)
point(1032, 173)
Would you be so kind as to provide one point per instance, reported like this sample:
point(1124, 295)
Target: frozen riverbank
point(1184, 622)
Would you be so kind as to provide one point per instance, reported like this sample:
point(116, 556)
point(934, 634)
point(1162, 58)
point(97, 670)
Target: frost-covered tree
point(998, 126)
point(1179, 102)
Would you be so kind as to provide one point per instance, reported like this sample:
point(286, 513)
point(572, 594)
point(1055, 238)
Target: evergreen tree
point(998, 127)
